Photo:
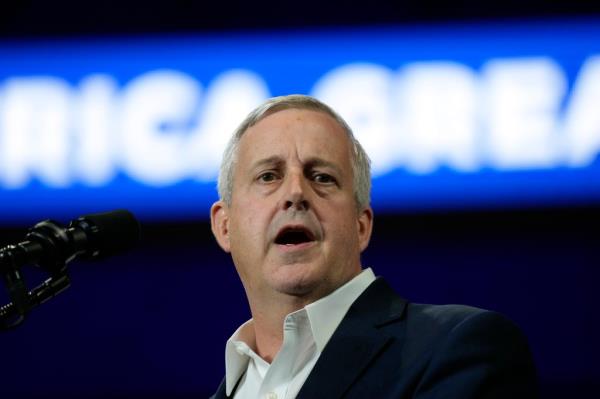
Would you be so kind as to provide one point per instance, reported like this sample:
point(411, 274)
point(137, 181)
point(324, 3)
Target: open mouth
point(294, 236)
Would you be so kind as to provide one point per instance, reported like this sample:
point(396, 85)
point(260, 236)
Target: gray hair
point(361, 168)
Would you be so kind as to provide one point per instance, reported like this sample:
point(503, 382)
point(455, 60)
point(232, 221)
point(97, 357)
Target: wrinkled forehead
point(296, 132)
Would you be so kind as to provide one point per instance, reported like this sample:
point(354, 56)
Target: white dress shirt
point(305, 334)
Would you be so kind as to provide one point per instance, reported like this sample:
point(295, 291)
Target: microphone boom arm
point(12, 258)
point(51, 246)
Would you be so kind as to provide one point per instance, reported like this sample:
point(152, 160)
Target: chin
point(297, 281)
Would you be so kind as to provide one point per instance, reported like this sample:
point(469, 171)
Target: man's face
point(292, 226)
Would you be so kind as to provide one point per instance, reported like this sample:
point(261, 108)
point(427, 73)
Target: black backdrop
point(153, 322)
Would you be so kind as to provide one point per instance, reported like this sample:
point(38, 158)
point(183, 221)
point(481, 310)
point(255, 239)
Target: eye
point(267, 177)
point(324, 178)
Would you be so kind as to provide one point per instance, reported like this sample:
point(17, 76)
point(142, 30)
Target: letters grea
point(165, 126)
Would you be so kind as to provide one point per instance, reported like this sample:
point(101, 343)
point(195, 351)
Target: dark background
point(153, 323)
point(39, 18)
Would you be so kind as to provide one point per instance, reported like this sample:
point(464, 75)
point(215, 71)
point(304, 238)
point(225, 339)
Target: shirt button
point(271, 395)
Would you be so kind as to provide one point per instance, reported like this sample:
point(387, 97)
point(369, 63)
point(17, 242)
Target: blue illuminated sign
point(452, 117)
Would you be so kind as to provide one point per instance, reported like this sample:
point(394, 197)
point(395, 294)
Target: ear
point(219, 223)
point(365, 227)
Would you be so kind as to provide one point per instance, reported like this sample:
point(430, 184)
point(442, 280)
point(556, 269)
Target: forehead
point(299, 132)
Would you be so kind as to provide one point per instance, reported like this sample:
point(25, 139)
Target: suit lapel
point(356, 342)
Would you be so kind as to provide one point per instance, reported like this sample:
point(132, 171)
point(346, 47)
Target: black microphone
point(51, 246)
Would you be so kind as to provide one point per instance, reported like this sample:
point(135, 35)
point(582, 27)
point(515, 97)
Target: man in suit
point(294, 213)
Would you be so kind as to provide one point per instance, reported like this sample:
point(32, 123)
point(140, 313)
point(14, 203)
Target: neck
point(268, 317)
point(269, 309)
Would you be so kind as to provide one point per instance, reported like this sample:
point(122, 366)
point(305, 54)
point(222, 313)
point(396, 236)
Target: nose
point(295, 196)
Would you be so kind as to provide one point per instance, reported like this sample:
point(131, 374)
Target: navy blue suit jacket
point(386, 347)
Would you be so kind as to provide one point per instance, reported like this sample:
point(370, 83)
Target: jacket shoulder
point(444, 319)
point(467, 346)
point(430, 326)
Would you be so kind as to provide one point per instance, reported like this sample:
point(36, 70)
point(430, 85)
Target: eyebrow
point(274, 160)
point(317, 162)
point(312, 162)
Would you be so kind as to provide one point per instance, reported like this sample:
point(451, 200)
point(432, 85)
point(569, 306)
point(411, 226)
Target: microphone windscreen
point(111, 232)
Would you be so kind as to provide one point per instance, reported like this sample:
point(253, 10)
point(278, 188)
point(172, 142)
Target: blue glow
point(456, 116)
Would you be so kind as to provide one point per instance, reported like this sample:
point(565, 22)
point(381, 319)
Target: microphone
point(51, 246)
